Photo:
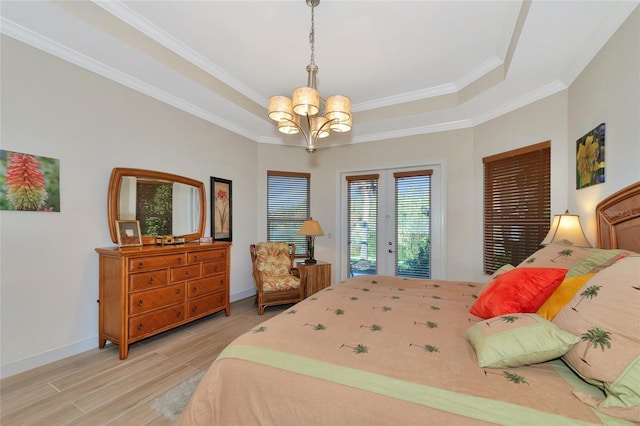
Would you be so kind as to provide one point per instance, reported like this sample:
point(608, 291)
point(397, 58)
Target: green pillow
point(514, 340)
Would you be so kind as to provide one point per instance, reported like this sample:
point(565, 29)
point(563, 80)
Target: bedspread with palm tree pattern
point(380, 350)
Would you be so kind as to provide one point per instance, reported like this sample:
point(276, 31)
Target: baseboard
point(47, 357)
point(57, 354)
point(242, 295)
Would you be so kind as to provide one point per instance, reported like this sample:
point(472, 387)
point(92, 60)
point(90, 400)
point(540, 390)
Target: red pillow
point(520, 290)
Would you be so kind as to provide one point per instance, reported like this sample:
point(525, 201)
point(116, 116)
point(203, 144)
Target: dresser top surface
point(161, 249)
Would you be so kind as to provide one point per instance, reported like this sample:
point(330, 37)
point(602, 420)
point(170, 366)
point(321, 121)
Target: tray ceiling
point(410, 67)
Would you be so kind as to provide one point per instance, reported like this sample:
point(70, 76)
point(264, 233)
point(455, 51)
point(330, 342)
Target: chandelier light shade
point(290, 127)
point(566, 227)
point(280, 109)
point(307, 103)
point(338, 108)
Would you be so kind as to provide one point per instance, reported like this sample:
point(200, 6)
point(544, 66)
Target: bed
point(387, 350)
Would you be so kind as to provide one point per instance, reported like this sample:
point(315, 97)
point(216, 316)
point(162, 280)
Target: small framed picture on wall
point(221, 212)
point(590, 158)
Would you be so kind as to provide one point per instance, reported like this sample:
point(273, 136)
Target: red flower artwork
point(25, 183)
point(222, 203)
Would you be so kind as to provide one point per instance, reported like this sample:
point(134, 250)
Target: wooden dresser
point(147, 290)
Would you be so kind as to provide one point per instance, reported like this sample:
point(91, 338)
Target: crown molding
point(529, 98)
point(45, 44)
point(132, 18)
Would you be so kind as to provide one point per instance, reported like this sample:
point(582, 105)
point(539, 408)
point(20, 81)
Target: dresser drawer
point(144, 301)
point(148, 280)
point(201, 256)
point(157, 262)
point(206, 304)
point(207, 285)
point(146, 324)
point(216, 267)
point(185, 273)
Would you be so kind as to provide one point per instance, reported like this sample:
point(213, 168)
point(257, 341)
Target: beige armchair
point(277, 281)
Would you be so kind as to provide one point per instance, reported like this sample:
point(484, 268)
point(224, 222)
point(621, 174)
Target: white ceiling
point(410, 67)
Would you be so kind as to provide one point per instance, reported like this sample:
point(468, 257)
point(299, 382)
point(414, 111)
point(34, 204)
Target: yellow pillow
point(562, 295)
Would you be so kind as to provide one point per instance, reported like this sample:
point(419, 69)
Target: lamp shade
point(311, 228)
point(306, 101)
point(318, 128)
point(341, 126)
point(280, 108)
point(338, 108)
point(289, 127)
point(566, 227)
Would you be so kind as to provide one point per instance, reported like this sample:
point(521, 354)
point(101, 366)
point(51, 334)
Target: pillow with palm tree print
point(515, 340)
point(605, 313)
point(578, 260)
point(555, 255)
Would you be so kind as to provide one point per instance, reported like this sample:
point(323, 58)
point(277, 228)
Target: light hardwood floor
point(97, 388)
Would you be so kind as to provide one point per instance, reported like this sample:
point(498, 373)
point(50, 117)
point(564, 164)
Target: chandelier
point(305, 104)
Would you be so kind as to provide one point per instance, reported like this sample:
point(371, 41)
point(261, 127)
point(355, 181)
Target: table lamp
point(311, 229)
point(566, 227)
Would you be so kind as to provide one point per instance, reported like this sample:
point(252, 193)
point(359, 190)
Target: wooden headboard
point(618, 219)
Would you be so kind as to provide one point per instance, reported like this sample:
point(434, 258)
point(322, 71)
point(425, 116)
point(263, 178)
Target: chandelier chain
point(312, 34)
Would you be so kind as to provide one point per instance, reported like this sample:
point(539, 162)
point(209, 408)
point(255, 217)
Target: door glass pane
point(362, 226)
point(413, 226)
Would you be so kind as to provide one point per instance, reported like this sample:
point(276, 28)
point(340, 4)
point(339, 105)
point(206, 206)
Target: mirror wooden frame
point(113, 199)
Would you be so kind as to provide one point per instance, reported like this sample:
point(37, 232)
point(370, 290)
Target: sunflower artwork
point(590, 158)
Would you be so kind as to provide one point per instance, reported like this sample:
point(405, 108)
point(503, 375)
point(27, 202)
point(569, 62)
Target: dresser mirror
point(163, 203)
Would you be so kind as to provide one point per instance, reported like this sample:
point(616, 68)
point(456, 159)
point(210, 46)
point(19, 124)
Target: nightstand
point(315, 276)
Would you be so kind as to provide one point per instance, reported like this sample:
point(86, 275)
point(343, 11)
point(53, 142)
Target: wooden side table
point(314, 277)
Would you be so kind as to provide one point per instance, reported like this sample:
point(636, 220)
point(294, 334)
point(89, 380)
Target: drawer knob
point(221, 299)
point(151, 280)
point(179, 260)
point(186, 272)
point(215, 268)
point(140, 302)
point(139, 326)
point(194, 308)
point(178, 313)
point(195, 257)
point(140, 264)
point(194, 288)
point(177, 291)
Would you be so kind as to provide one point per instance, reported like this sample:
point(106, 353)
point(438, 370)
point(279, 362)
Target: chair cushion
point(273, 258)
point(280, 282)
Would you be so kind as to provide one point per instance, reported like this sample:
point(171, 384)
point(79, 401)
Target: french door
point(392, 222)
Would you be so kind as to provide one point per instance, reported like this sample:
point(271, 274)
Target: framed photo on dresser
point(128, 233)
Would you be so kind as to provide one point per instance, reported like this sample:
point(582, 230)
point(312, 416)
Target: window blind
point(362, 223)
point(517, 204)
point(413, 223)
point(288, 206)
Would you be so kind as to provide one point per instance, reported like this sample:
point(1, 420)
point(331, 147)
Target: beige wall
point(49, 270)
point(452, 150)
point(607, 91)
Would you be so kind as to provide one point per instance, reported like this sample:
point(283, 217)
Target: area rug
point(173, 403)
